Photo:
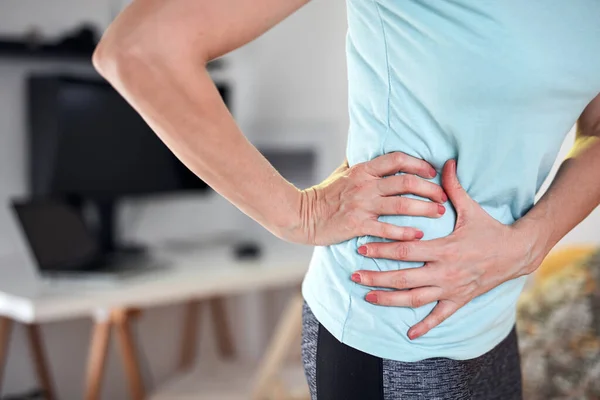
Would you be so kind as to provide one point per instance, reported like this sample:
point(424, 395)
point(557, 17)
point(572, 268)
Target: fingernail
point(362, 250)
point(441, 209)
point(433, 173)
point(419, 235)
point(371, 298)
point(444, 198)
point(412, 334)
point(355, 278)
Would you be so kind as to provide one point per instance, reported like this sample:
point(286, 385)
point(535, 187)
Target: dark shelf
point(16, 49)
point(20, 50)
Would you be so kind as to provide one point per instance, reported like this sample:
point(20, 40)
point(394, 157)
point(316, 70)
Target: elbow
point(101, 58)
point(125, 40)
point(149, 38)
point(146, 39)
point(115, 60)
point(122, 61)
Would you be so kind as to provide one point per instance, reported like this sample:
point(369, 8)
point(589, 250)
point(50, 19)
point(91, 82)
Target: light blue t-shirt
point(495, 83)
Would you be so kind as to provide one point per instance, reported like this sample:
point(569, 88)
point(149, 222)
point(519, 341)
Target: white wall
point(290, 81)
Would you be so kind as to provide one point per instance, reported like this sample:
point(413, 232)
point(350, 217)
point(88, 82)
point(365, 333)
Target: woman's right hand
point(348, 203)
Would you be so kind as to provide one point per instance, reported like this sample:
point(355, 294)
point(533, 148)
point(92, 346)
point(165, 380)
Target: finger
point(406, 183)
point(403, 298)
point(439, 314)
point(421, 250)
point(456, 193)
point(397, 205)
point(391, 231)
point(409, 278)
point(392, 163)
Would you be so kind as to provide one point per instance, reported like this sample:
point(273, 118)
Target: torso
point(496, 84)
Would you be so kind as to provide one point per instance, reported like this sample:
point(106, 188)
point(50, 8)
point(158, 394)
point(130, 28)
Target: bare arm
point(155, 54)
point(574, 192)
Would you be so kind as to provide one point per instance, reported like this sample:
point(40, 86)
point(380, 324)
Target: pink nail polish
point(355, 277)
point(441, 209)
point(371, 298)
point(419, 235)
point(362, 250)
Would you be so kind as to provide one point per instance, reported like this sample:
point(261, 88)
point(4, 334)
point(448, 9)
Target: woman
point(496, 84)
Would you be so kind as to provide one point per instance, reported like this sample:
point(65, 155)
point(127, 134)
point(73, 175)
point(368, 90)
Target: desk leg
point(39, 358)
point(122, 321)
point(97, 358)
point(221, 327)
point(189, 337)
point(289, 329)
point(5, 329)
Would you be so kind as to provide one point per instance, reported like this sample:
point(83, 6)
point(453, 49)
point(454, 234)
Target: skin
point(155, 54)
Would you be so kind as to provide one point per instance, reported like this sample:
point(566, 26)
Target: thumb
point(456, 193)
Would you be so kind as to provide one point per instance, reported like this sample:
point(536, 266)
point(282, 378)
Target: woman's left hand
point(480, 254)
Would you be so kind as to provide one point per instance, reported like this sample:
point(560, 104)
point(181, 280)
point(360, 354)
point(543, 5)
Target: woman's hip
point(336, 371)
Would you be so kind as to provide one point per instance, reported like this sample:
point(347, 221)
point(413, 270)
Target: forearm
point(186, 112)
point(572, 196)
point(171, 89)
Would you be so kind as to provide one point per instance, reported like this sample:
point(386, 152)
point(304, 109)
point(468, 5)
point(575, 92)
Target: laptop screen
point(56, 234)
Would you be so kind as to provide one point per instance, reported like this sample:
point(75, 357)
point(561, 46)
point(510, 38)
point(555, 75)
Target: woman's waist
point(329, 285)
point(344, 256)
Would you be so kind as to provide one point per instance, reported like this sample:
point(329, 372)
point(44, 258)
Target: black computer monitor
point(88, 145)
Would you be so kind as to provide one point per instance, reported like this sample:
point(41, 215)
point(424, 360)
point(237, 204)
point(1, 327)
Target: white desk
point(190, 276)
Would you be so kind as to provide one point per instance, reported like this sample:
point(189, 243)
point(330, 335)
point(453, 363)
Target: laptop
point(63, 246)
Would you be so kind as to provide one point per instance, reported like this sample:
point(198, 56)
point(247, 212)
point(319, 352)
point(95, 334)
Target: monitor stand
point(107, 231)
point(104, 226)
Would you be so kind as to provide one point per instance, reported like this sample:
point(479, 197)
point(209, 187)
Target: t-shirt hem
point(382, 348)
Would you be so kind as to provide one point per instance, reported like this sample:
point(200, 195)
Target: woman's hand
point(479, 255)
point(349, 202)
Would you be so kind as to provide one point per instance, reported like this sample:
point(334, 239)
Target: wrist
point(294, 222)
point(306, 227)
point(533, 238)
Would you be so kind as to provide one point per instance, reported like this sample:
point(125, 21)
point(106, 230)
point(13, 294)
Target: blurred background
point(287, 91)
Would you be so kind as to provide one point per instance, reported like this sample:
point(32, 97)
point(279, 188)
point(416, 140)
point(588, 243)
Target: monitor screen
point(101, 147)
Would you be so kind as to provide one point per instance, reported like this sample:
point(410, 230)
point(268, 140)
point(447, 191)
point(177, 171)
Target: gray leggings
point(338, 372)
